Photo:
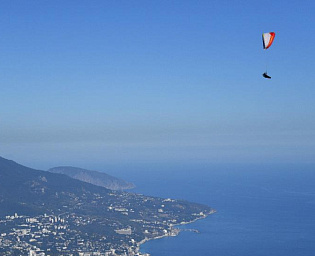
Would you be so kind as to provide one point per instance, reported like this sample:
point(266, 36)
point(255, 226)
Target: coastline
point(170, 232)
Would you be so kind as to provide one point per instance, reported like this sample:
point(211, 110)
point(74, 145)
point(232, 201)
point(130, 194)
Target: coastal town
point(72, 234)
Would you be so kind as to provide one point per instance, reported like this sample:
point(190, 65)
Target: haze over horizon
point(119, 82)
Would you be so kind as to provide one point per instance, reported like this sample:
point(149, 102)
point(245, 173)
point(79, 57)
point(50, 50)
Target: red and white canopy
point(268, 39)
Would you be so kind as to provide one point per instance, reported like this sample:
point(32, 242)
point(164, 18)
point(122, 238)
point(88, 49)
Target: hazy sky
point(97, 82)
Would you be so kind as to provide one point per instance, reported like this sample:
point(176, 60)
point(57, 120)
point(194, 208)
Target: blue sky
point(91, 83)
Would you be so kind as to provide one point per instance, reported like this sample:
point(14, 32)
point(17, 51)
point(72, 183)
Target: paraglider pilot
point(266, 76)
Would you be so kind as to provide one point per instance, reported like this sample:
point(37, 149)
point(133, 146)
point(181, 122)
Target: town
point(81, 235)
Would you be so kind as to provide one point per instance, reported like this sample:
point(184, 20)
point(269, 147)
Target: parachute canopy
point(268, 39)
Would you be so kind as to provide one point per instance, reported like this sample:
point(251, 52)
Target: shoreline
point(178, 230)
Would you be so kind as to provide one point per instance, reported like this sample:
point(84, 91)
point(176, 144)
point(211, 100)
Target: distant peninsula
point(93, 177)
point(44, 213)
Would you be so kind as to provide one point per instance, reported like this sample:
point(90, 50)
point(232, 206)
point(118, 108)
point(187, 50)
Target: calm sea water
point(261, 210)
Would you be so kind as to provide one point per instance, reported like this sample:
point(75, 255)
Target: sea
point(262, 209)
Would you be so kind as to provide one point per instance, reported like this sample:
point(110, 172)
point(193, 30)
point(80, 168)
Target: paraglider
point(267, 39)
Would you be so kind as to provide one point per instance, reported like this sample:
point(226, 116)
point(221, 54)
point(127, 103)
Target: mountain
point(93, 177)
point(30, 191)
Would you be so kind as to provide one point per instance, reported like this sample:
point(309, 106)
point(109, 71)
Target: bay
point(261, 209)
